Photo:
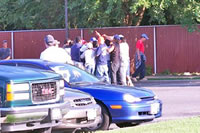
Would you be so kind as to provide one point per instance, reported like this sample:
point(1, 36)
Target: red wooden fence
point(176, 49)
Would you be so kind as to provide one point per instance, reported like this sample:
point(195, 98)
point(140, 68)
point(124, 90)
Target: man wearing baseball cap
point(140, 58)
point(54, 53)
point(5, 52)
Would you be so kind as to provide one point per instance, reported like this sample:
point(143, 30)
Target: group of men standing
point(107, 57)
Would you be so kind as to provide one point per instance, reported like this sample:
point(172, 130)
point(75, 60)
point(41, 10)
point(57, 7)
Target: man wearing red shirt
point(140, 58)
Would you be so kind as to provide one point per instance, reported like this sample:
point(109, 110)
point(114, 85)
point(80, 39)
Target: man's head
point(122, 38)
point(144, 37)
point(5, 44)
point(78, 39)
point(107, 42)
point(116, 38)
point(93, 39)
point(49, 40)
point(89, 45)
point(68, 42)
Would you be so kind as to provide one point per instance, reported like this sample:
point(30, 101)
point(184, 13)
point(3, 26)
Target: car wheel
point(126, 124)
point(105, 122)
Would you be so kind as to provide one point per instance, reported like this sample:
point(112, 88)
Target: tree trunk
point(128, 20)
point(141, 15)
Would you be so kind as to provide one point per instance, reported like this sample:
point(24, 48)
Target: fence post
point(82, 34)
point(12, 43)
point(155, 54)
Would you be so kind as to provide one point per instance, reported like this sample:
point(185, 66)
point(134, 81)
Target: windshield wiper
point(81, 83)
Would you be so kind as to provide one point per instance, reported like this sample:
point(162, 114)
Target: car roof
point(31, 61)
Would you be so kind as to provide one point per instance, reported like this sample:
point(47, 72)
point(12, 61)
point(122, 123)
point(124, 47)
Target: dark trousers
point(141, 70)
point(115, 67)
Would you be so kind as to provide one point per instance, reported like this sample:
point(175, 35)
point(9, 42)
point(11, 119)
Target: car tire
point(105, 122)
point(126, 124)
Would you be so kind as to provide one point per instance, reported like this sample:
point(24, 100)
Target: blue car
point(122, 105)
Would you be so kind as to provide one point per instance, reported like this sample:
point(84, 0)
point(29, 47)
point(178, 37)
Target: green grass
point(187, 125)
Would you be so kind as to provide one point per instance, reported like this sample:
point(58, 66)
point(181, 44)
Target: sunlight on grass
point(188, 125)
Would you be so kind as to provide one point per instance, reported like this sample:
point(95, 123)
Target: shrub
point(166, 72)
point(148, 70)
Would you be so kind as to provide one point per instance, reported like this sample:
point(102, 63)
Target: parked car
point(83, 111)
point(30, 99)
point(122, 105)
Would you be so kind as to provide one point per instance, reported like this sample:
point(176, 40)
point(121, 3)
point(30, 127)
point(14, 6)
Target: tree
point(31, 14)
point(42, 14)
point(102, 13)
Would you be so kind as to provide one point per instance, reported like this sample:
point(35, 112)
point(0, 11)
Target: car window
point(73, 75)
point(29, 65)
point(8, 64)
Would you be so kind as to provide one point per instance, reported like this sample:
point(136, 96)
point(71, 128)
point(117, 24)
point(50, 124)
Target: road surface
point(180, 98)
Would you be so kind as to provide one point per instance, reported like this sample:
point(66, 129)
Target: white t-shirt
point(124, 53)
point(55, 54)
point(89, 56)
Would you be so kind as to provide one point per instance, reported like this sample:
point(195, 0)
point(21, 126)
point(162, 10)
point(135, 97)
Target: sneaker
point(143, 79)
point(134, 79)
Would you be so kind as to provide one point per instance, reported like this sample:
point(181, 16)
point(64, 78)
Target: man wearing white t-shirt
point(125, 62)
point(89, 55)
point(53, 52)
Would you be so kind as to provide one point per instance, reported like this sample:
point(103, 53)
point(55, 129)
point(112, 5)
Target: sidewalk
point(169, 81)
point(171, 77)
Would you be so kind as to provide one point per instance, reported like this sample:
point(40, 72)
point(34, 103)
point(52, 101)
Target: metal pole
point(66, 21)
point(82, 33)
point(12, 44)
point(155, 59)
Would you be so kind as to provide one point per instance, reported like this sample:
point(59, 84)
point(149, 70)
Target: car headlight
point(62, 83)
point(93, 100)
point(17, 92)
point(131, 99)
point(155, 97)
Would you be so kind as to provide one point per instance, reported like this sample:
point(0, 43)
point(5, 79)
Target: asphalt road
point(180, 97)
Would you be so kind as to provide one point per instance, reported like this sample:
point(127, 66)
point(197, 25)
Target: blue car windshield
point(73, 74)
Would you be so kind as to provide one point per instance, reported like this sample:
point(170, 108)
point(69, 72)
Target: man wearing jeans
point(140, 59)
point(102, 67)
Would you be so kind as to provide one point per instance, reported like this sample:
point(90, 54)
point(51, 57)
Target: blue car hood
point(17, 74)
point(113, 92)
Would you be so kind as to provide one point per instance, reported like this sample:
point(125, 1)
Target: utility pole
point(66, 21)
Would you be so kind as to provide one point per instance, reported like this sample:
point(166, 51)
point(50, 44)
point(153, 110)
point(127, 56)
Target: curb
point(173, 77)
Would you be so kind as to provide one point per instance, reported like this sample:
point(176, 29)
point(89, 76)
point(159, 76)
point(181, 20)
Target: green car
point(30, 99)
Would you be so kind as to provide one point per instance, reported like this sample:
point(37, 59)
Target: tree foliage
point(42, 14)
point(31, 14)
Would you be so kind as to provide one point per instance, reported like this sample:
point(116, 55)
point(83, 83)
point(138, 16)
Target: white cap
point(89, 45)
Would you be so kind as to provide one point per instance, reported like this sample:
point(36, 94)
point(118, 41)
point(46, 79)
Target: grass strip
point(187, 125)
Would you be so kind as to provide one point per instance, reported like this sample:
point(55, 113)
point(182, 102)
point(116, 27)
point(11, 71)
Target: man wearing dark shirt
point(5, 52)
point(115, 60)
point(75, 53)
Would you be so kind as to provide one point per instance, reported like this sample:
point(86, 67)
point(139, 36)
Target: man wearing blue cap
point(140, 59)
point(114, 51)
